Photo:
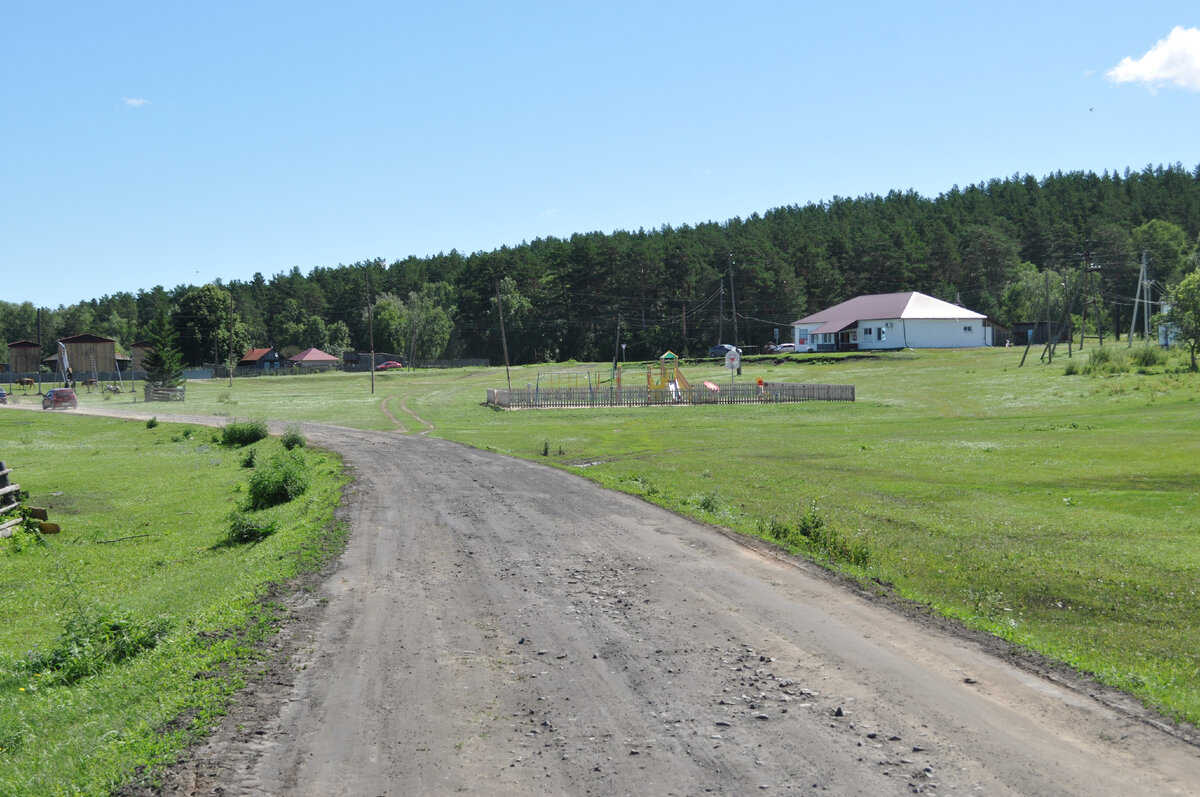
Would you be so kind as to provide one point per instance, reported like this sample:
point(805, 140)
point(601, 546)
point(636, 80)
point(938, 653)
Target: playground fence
point(642, 396)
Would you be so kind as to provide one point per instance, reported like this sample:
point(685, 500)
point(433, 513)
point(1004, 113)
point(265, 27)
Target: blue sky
point(174, 143)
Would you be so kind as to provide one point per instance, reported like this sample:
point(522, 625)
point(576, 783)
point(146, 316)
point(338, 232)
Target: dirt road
point(500, 627)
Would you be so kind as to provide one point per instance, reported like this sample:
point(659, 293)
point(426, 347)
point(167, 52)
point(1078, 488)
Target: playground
point(665, 385)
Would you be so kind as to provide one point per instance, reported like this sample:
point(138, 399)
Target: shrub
point(292, 438)
point(279, 480)
point(243, 433)
point(150, 424)
point(93, 640)
point(1072, 368)
point(250, 458)
point(245, 529)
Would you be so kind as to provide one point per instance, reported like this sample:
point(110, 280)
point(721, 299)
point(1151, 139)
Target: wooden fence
point(642, 396)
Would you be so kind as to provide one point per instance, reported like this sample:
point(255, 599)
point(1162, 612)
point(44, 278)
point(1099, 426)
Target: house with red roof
point(264, 359)
point(313, 357)
point(909, 320)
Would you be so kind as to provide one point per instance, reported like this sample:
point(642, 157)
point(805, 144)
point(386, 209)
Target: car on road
point(388, 365)
point(58, 398)
point(721, 349)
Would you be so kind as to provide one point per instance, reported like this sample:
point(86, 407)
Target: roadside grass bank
point(124, 636)
point(1055, 506)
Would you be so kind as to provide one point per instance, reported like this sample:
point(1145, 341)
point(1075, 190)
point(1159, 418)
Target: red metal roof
point(312, 356)
point(254, 355)
point(908, 305)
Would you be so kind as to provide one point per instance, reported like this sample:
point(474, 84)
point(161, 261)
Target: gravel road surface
point(500, 627)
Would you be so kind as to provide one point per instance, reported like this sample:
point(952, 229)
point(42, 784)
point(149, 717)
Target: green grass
point(144, 512)
point(1056, 510)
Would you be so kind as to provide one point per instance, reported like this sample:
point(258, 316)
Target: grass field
point(1057, 511)
point(144, 513)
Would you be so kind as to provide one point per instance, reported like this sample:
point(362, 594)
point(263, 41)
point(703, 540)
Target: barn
point(909, 320)
point(87, 354)
point(23, 357)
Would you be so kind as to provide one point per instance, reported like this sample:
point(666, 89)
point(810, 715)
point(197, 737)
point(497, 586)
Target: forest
point(1009, 248)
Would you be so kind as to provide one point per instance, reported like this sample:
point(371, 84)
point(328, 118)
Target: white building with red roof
point(908, 320)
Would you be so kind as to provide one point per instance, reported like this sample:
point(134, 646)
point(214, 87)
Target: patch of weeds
point(642, 485)
point(250, 458)
point(546, 448)
point(280, 479)
point(709, 502)
point(243, 433)
point(225, 397)
point(292, 438)
point(25, 536)
point(150, 424)
point(92, 641)
point(244, 529)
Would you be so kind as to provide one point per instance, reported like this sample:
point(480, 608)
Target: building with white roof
point(892, 321)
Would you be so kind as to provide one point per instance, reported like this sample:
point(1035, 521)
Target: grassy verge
point(146, 515)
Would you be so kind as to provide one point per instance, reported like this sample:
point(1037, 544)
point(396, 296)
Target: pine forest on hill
point(992, 247)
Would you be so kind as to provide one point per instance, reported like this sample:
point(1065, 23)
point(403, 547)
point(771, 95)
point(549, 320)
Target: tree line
point(1015, 249)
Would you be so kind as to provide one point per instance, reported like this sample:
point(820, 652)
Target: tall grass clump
point(243, 433)
point(280, 479)
point(293, 438)
point(1149, 357)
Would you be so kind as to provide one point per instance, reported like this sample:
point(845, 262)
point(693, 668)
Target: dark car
point(388, 365)
point(721, 349)
point(3, 396)
point(59, 397)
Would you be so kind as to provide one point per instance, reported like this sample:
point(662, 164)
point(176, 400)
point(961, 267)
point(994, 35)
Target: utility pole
point(504, 338)
point(617, 348)
point(733, 304)
point(371, 329)
point(1137, 300)
point(231, 327)
point(721, 316)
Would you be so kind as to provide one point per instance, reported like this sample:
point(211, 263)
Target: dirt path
point(500, 627)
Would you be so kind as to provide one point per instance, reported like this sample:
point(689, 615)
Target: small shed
point(23, 357)
point(313, 357)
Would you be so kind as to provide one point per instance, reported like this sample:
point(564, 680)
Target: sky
point(171, 143)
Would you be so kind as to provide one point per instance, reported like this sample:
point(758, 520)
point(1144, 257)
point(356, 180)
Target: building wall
point(924, 334)
point(23, 360)
point(79, 357)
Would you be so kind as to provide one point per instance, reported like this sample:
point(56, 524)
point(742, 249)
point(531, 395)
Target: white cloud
point(134, 102)
point(1173, 61)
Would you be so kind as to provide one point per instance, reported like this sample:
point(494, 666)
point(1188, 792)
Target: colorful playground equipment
point(669, 383)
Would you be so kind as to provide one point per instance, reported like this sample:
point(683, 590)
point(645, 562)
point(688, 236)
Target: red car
point(388, 365)
point(58, 398)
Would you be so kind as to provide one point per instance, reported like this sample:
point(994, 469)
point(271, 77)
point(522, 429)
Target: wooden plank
point(8, 524)
point(11, 488)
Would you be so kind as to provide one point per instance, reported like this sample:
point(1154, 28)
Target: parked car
point(785, 348)
point(721, 349)
point(388, 365)
point(58, 398)
point(3, 396)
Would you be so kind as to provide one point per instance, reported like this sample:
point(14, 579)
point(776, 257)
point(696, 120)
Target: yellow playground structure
point(669, 383)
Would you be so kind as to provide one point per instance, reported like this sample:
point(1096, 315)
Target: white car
point(785, 348)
